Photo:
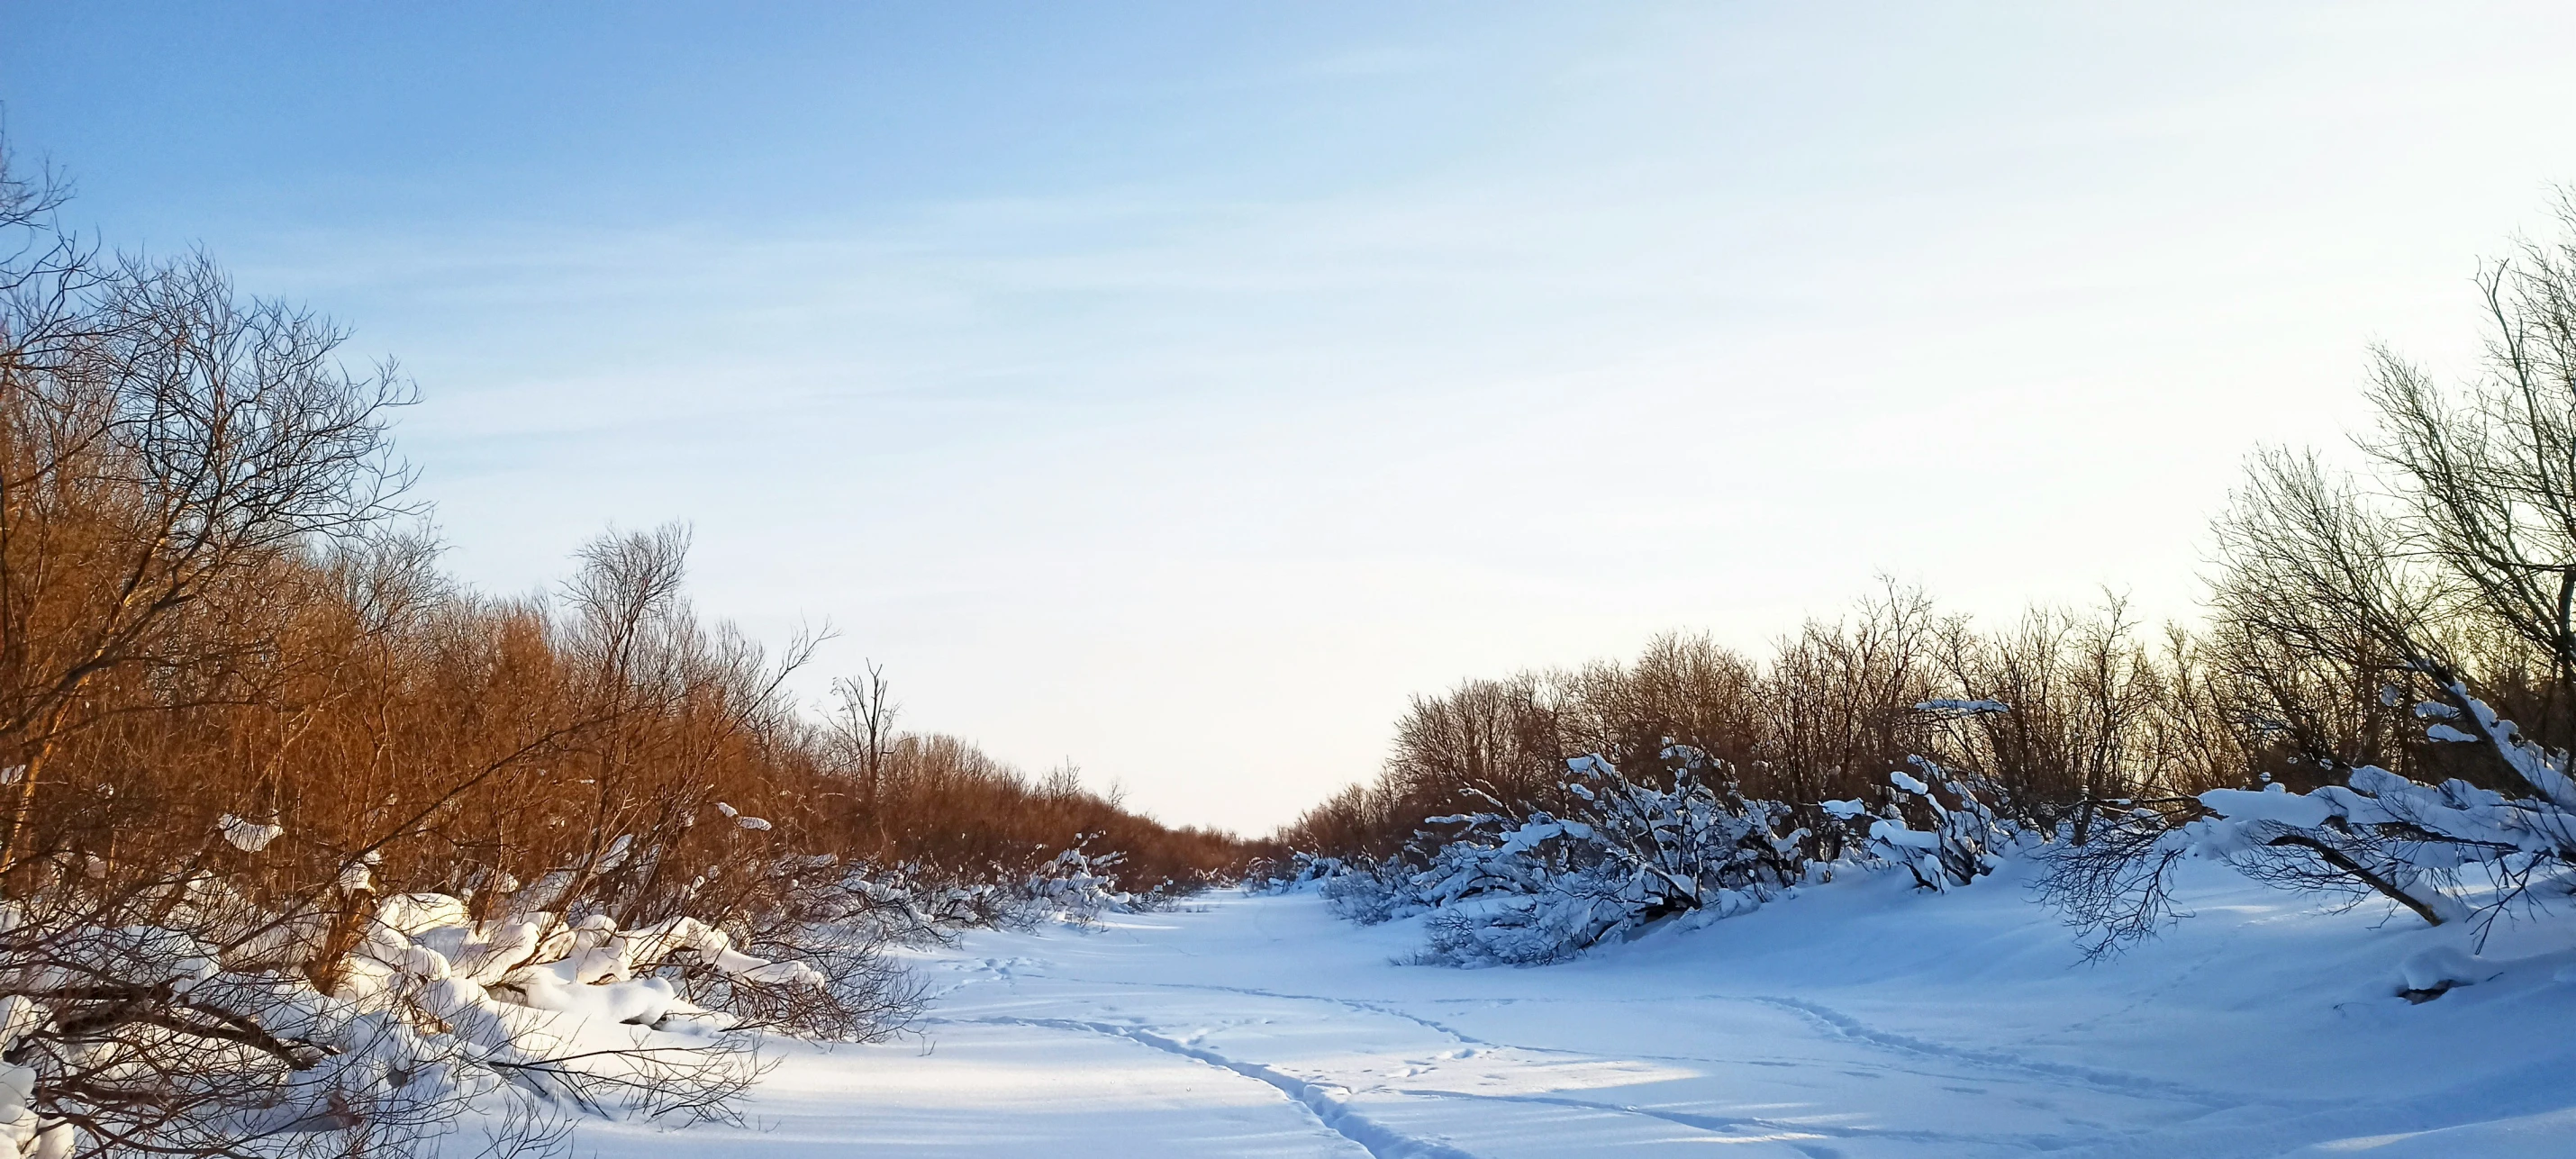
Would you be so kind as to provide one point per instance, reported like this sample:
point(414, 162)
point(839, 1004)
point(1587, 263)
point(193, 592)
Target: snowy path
point(1854, 1022)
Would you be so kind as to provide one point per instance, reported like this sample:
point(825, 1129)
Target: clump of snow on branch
point(1961, 709)
point(248, 836)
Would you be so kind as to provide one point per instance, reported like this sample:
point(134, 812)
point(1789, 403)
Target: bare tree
point(181, 436)
point(863, 724)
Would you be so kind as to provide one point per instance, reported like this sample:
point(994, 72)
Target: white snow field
point(1856, 1020)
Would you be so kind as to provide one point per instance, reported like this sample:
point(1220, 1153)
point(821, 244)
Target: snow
point(2442, 967)
point(248, 836)
point(2269, 804)
point(1860, 1019)
point(1959, 709)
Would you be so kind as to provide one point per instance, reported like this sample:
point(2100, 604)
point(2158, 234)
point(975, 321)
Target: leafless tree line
point(2061, 712)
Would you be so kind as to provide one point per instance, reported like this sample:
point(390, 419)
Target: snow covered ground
point(1859, 1019)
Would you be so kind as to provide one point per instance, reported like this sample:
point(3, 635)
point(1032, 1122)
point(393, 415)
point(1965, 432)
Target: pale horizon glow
point(1176, 390)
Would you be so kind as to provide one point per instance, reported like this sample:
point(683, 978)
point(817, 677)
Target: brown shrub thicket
point(173, 657)
point(212, 616)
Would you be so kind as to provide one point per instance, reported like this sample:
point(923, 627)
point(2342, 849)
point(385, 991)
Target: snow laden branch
point(2372, 832)
point(2402, 839)
point(188, 1014)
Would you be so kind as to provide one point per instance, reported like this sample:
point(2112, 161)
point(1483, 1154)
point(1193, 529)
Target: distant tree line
point(2064, 713)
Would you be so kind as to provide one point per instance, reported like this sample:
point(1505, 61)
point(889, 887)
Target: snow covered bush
point(1074, 887)
point(189, 1012)
point(1960, 844)
point(915, 903)
point(181, 1016)
point(1371, 893)
point(1673, 839)
point(1279, 875)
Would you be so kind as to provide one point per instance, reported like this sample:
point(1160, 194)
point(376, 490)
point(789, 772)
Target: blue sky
point(1176, 388)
